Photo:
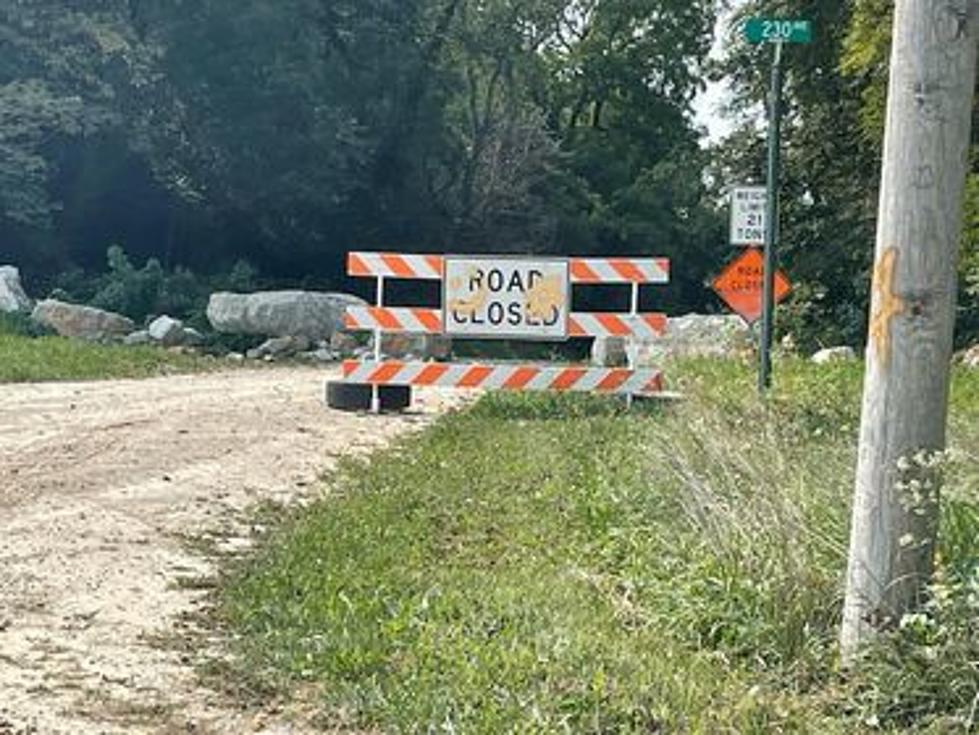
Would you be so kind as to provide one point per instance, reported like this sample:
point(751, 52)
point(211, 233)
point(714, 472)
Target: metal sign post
point(771, 222)
point(779, 32)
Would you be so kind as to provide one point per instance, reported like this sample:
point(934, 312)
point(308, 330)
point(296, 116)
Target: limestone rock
point(311, 314)
point(970, 358)
point(343, 342)
point(279, 347)
point(142, 337)
point(191, 337)
point(167, 331)
point(12, 296)
point(834, 354)
point(83, 322)
point(697, 335)
point(608, 352)
point(416, 346)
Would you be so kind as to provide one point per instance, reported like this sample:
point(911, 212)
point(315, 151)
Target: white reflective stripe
point(589, 324)
point(362, 372)
point(591, 379)
point(408, 319)
point(454, 374)
point(418, 264)
point(637, 382)
point(650, 269)
point(545, 378)
point(407, 374)
point(498, 377)
point(642, 328)
point(603, 269)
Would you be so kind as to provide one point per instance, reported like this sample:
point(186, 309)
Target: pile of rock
point(166, 332)
point(309, 325)
point(692, 335)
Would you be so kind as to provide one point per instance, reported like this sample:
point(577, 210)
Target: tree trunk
point(905, 403)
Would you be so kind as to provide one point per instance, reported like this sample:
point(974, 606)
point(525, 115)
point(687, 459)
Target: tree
point(865, 56)
point(828, 189)
point(895, 514)
point(60, 79)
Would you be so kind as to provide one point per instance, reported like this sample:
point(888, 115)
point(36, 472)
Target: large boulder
point(83, 322)
point(311, 314)
point(166, 330)
point(12, 296)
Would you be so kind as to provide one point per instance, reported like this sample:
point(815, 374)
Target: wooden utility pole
point(905, 402)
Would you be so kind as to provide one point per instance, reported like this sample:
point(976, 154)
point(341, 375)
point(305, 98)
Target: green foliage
point(829, 174)
point(20, 324)
point(30, 359)
point(554, 563)
point(74, 68)
point(292, 130)
point(142, 292)
point(923, 674)
point(151, 290)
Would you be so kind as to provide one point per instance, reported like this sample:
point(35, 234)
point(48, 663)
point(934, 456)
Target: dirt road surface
point(100, 486)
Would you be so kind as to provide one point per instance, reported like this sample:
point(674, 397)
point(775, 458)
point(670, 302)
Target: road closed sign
point(498, 297)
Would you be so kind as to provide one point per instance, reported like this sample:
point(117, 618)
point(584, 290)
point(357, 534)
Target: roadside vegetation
point(556, 564)
point(27, 355)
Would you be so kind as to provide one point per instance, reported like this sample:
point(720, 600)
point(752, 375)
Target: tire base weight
point(357, 396)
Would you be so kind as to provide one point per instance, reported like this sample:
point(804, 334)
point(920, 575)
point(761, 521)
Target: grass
point(28, 358)
point(555, 564)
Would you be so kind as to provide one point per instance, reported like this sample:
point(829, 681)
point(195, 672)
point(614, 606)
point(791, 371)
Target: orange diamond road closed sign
point(741, 284)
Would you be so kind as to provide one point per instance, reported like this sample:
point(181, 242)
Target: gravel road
point(100, 486)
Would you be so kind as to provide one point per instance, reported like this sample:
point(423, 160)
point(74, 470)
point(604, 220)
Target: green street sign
point(777, 30)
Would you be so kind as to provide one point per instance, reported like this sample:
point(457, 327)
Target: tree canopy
point(287, 132)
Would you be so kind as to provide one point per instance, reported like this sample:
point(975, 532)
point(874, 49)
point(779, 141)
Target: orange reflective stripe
point(397, 265)
point(520, 378)
point(614, 379)
point(356, 266)
point(656, 322)
point(628, 270)
point(613, 325)
point(385, 318)
point(386, 372)
point(429, 318)
point(431, 374)
point(581, 272)
point(435, 263)
point(568, 377)
point(349, 366)
point(475, 376)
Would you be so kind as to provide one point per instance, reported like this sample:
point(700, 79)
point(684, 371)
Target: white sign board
point(748, 215)
point(499, 297)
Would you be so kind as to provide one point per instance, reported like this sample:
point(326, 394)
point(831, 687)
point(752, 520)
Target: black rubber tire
point(357, 396)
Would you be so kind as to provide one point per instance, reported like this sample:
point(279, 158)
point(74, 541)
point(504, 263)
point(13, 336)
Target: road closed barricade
point(498, 297)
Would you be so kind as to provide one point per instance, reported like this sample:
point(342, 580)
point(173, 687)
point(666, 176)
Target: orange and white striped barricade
point(505, 297)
